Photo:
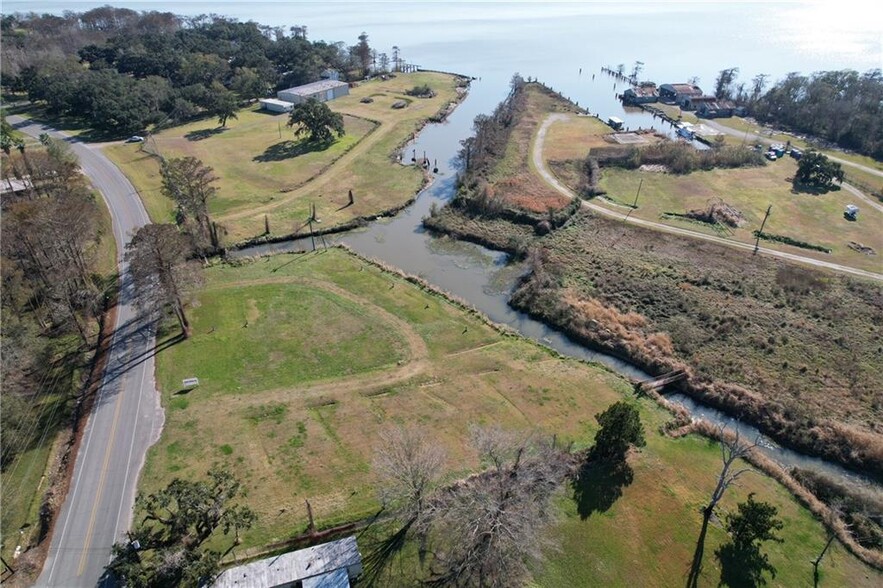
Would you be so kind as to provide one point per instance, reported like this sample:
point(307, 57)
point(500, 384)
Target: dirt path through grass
point(550, 179)
point(322, 179)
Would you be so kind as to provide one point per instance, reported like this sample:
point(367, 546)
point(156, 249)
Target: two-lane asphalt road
point(126, 418)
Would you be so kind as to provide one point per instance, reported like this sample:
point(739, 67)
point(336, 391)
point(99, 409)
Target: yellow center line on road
point(107, 452)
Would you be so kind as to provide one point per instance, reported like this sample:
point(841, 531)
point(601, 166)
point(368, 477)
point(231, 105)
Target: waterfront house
point(713, 108)
point(678, 93)
point(323, 91)
point(643, 94)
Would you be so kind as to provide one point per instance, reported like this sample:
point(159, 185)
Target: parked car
point(771, 155)
point(135, 139)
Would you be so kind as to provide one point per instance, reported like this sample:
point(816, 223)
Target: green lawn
point(647, 537)
point(292, 428)
point(254, 158)
point(265, 172)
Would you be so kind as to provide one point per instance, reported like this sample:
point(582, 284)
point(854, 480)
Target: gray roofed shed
point(283, 571)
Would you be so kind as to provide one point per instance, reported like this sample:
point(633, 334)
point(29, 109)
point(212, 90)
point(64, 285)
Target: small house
point(711, 107)
point(696, 102)
point(329, 565)
point(323, 91)
point(643, 94)
point(615, 123)
point(678, 93)
point(274, 105)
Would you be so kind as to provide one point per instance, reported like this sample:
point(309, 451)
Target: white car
point(135, 139)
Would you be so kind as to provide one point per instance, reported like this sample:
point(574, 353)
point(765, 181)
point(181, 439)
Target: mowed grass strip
point(574, 137)
point(307, 439)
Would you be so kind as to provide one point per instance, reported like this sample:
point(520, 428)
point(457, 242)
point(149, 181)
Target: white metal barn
point(274, 105)
point(323, 91)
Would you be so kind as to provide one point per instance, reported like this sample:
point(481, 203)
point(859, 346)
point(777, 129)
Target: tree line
point(52, 292)
point(123, 70)
point(842, 107)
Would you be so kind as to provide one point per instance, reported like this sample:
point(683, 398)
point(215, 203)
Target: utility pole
point(760, 232)
point(641, 183)
point(818, 560)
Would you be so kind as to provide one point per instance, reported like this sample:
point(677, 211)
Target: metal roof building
point(274, 105)
point(329, 565)
point(323, 90)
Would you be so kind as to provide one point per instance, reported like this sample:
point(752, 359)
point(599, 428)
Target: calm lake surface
point(564, 45)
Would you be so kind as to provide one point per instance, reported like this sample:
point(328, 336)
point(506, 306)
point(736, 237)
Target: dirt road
point(540, 165)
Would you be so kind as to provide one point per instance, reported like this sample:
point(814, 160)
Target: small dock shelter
point(323, 91)
point(615, 123)
point(329, 565)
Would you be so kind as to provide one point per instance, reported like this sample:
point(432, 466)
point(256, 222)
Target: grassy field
point(789, 348)
point(816, 219)
point(294, 429)
point(262, 173)
point(875, 182)
point(512, 172)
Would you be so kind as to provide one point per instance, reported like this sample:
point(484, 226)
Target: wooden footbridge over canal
point(661, 381)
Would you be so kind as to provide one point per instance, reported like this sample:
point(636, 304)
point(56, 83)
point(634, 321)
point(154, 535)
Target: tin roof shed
point(336, 560)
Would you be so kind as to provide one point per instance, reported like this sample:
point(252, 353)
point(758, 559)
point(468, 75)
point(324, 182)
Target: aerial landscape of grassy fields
point(265, 171)
point(546, 335)
point(299, 415)
point(739, 321)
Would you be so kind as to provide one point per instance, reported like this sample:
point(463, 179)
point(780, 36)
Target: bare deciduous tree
point(490, 526)
point(161, 274)
point(408, 467)
point(733, 448)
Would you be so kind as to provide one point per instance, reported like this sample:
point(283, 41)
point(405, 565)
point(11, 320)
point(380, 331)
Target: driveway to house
point(540, 165)
point(126, 417)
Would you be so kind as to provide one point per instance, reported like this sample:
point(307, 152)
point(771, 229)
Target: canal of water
point(485, 278)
